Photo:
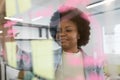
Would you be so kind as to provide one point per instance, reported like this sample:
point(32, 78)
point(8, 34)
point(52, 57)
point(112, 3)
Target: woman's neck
point(72, 50)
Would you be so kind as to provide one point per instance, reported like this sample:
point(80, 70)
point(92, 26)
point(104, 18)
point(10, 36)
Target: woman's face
point(67, 34)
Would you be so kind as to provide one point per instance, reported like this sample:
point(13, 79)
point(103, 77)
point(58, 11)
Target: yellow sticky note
point(10, 8)
point(43, 60)
point(24, 5)
point(11, 54)
point(34, 78)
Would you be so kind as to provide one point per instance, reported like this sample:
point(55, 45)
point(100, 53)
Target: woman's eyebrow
point(68, 26)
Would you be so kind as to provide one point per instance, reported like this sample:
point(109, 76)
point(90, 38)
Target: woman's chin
point(64, 46)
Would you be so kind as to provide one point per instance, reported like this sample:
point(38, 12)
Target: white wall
point(109, 21)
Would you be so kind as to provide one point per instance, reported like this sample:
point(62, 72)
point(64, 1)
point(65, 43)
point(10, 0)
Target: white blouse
point(71, 67)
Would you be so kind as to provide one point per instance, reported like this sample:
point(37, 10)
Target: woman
point(70, 29)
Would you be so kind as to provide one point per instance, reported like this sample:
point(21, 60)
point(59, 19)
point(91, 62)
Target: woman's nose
point(62, 33)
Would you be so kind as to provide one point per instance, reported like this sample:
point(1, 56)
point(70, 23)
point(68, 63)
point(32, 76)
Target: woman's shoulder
point(91, 64)
point(58, 51)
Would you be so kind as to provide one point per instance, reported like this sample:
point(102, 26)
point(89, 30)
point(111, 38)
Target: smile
point(63, 40)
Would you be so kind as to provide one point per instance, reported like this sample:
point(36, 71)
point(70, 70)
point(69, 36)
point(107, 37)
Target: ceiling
point(95, 10)
point(43, 3)
point(105, 8)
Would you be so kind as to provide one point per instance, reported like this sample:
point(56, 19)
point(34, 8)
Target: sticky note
point(42, 56)
point(11, 53)
point(34, 78)
point(24, 5)
point(10, 8)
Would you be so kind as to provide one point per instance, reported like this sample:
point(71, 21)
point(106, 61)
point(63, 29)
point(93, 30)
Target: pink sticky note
point(63, 8)
point(73, 60)
point(100, 61)
point(72, 3)
point(95, 76)
point(11, 33)
point(85, 16)
point(76, 2)
point(9, 24)
point(37, 14)
point(26, 58)
point(89, 61)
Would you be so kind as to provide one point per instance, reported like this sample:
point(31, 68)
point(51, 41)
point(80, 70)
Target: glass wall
point(29, 47)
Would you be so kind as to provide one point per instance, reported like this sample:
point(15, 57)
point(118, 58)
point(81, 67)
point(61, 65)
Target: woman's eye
point(68, 30)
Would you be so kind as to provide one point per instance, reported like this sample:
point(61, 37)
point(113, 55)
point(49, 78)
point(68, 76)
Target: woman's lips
point(63, 40)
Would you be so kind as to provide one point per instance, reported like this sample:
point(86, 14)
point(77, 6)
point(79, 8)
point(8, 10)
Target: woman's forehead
point(66, 22)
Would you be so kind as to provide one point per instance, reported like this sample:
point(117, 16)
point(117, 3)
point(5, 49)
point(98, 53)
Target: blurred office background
point(32, 19)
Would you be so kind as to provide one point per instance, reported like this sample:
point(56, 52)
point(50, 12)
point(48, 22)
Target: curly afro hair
point(76, 16)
